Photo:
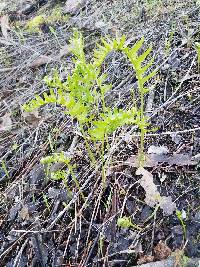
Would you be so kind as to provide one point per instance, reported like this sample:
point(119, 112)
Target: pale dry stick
point(105, 261)
point(127, 251)
point(153, 231)
point(63, 211)
point(167, 103)
point(8, 69)
point(168, 132)
point(125, 199)
point(73, 145)
point(75, 217)
point(19, 254)
point(92, 218)
point(180, 96)
point(33, 231)
point(192, 101)
point(91, 250)
point(15, 243)
point(11, 247)
point(165, 89)
point(68, 239)
point(73, 201)
point(186, 192)
point(122, 83)
point(78, 238)
point(150, 100)
point(37, 131)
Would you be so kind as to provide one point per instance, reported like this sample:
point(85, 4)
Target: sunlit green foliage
point(33, 25)
point(84, 91)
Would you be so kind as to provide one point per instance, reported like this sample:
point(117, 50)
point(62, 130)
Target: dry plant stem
point(17, 259)
point(169, 133)
point(167, 103)
point(92, 218)
point(153, 230)
point(74, 199)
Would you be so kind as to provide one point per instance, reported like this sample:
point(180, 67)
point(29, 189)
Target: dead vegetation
point(42, 224)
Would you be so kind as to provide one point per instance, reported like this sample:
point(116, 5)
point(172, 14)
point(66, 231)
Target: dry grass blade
point(4, 22)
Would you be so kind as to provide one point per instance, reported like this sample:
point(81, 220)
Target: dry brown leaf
point(152, 160)
point(153, 197)
point(24, 213)
point(152, 194)
point(32, 118)
point(72, 6)
point(4, 22)
point(159, 150)
point(182, 160)
point(145, 259)
point(64, 51)
point(167, 205)
point(5, 122)
point(162, 251)
point(41, 60)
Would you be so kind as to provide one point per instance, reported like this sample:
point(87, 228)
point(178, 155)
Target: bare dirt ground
point(41, 224)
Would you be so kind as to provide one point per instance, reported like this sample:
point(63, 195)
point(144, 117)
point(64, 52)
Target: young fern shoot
point(83, 94)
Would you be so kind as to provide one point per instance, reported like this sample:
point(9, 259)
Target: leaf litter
point(5, 122)
point(4, 23)
point(153, 197)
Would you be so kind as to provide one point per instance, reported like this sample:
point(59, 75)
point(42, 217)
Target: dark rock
point(130, 206)
point(146, 212)
point(14, 211)
point(60, 194)
point(37, 176)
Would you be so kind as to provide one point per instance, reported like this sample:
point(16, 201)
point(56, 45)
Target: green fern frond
point(41, 101)
point(77, 46)
point(137, 62)
point(107, 46)
point(132, 52)
point(84, 91)
point(55, 158)
point(111, 121)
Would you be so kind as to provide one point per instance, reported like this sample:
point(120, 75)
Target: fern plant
point(83, 94)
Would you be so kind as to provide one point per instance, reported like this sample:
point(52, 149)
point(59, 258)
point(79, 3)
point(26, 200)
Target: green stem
point(141, 153)
point(142, 129)
point(103, 103)
point(75, 180)
point(90, 153)
point(103, 164)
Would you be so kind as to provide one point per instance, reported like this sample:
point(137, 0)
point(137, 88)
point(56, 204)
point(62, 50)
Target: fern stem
point(75, 180)
point(142, 128)
point(103, 103)
point(90, 153)
point(103, 164)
